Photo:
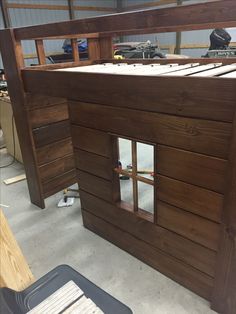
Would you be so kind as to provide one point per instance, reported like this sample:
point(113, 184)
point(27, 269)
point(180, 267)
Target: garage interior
point(127, 143)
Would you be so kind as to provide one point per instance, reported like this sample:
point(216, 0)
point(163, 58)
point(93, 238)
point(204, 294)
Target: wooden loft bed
point(186, 111)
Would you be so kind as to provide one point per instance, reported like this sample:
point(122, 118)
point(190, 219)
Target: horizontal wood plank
point(36, 100)
point(181, 18)
point(43, 116)
point(90, 140)
point(161, 238)
point(51, 133)
point(183, 96)
point(203, 171)
point(202, 136)
point(191, 198)
point(187, 276)
point(58, 7)
point(56, 168)
point(59, 183)
point(193, 227)
point(95, 185)
point(55, 150)
point(97, 165)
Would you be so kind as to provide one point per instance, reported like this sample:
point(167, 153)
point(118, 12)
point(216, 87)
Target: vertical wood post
point(134, 173)
point(40, 51)
point(106, 47)
point(75, 49)
point(13, 62)
point(224, 294)
point(93, 49)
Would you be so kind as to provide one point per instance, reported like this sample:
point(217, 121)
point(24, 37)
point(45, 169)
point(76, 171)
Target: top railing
point(208, 15)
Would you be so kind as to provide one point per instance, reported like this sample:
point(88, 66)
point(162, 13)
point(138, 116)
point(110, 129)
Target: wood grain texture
point(191, 198)
point(57, 167)
point(14, 270)
point(12, 55)
point(202, 136)
point(106, 48)
point(57, 7)
point(93, 49)
point(173, 244)
point(193, 227)
point(51, 133)
point(98, 165)
point(189, 277)
point(52, 151)
point(174, 95)
point(59, 183)
point(40, 51)
point(75, 49)
point(43, 116)
point(224, 294)
point(92, 141)
point(198, 16)
point(39, 101)
point(203, 171)
point(95, 185)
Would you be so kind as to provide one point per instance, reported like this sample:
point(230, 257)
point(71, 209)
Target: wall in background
point(27, 16)
point(192, 37)
point(23, 17)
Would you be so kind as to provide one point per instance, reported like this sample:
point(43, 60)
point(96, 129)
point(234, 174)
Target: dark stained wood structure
point(191, 122)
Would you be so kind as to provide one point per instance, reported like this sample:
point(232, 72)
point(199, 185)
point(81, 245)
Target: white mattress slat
point(217, 71)
point(231, 74)
point(174, 69)
point(194, 69)
point(131, 69)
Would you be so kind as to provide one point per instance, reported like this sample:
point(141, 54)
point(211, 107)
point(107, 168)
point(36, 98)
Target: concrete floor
point(56, 236)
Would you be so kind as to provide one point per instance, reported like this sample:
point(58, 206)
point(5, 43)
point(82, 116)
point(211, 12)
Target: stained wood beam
point(57, 7)
point(181, 18)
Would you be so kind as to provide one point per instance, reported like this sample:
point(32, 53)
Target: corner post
point(224, 293)
point(13, 63)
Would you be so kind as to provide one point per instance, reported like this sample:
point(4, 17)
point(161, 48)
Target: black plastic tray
point(12, 302)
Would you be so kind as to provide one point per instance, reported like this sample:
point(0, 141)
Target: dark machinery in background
point(140, 50)
point(220, 40)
